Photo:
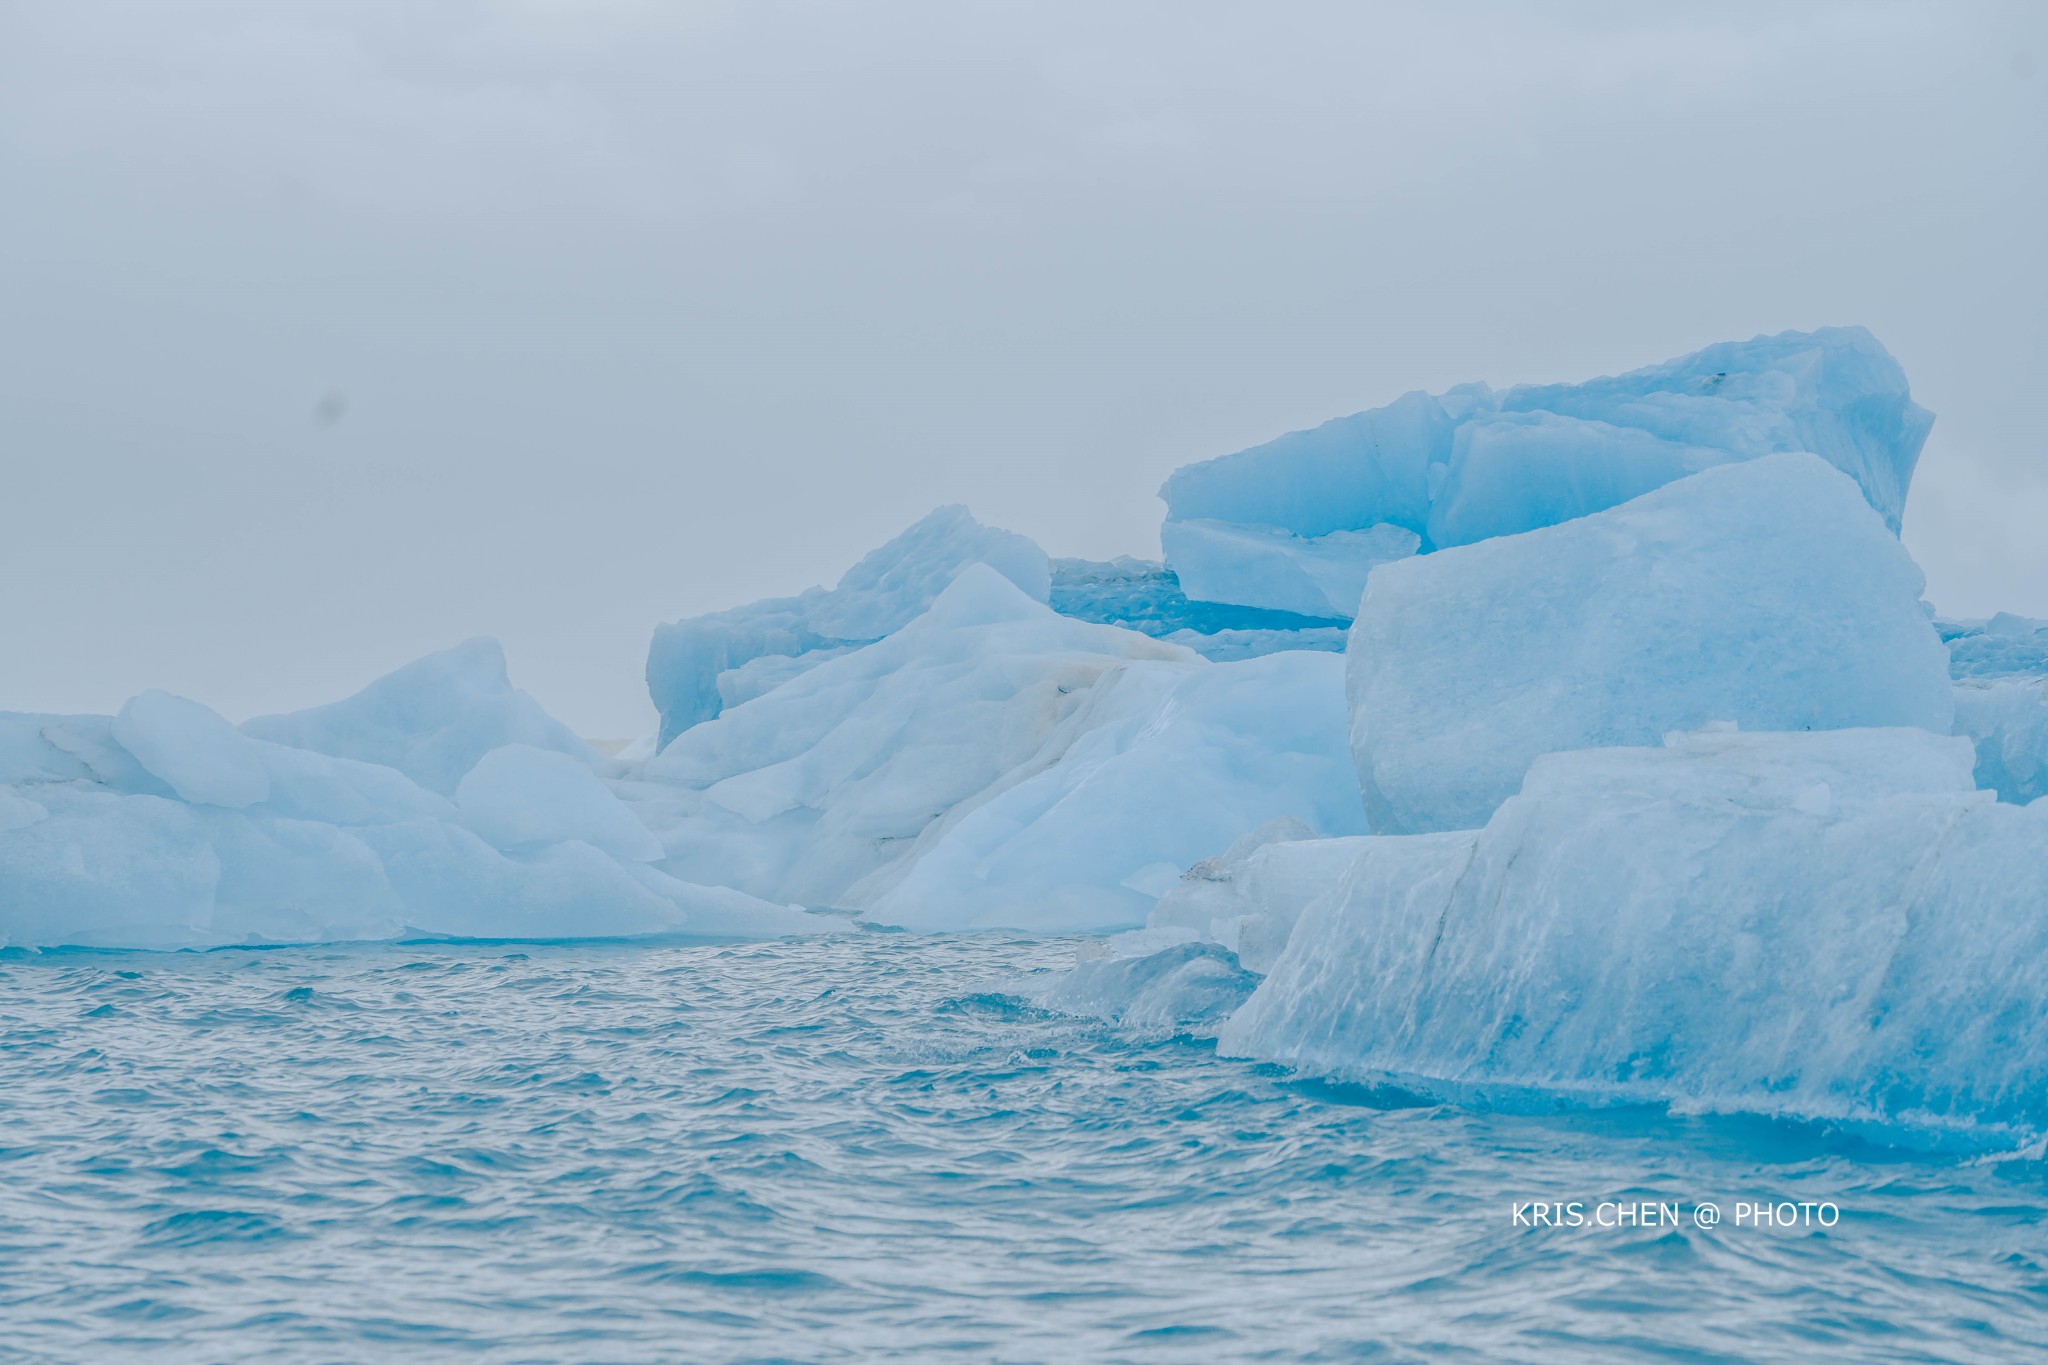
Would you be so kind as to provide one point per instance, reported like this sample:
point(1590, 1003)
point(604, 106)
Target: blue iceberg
point(1268, 526)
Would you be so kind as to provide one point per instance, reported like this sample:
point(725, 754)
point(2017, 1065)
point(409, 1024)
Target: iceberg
point(699, 666)
point(167, 827)
point(1161, 766)
point(994, 764)
point(1831, 925)
point(801, 792)
point(1766, 593)
point(431, 720)
point(1474, 463)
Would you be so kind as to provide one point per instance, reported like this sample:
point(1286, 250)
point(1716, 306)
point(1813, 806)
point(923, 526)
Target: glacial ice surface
point(1257, 528)
point(1766, 593)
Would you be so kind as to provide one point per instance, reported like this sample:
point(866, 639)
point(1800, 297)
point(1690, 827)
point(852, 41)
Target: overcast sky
point(334, 333)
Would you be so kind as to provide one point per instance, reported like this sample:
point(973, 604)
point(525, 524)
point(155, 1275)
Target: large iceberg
point(439, 800)
point(699, 666)
point(1305, 515)
point(1829, 925)
point(1765, 593)
point(995, 763)
point(1161, 766)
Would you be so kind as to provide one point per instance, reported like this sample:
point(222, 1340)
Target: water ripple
point(871, 1146)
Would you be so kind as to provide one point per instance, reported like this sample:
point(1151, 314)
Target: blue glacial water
point(871, 1148)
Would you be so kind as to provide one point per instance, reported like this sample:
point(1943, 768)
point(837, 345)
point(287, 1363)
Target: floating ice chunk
point(432, 719)
point(1684, 925)
point(166, 827)
point(1158, 767)
point(1476, 462)
point(519, 797)
point(879, 595)
point(192, 750)
point(107, 869)
point(1266, 566)
point(802, 792)
point(1764, 592)
point(1178, 985)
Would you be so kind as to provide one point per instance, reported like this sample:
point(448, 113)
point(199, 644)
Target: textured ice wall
point(1765, 593)
point(1827, 925)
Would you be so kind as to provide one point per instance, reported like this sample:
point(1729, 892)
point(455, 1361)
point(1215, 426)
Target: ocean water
point(873, 1147)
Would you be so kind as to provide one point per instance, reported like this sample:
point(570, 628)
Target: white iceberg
point(167, 827)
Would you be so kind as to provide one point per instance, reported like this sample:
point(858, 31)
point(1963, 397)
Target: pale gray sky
point(335, 331)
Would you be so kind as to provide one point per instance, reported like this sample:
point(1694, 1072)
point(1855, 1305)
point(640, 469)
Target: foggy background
point(335, 333)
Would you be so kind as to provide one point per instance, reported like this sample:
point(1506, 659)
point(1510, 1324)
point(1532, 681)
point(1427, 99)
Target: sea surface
point(875, 1147)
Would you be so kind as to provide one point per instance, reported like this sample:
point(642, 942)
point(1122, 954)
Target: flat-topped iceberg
point(1300, 517)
